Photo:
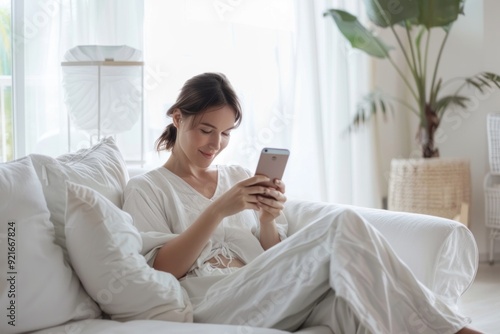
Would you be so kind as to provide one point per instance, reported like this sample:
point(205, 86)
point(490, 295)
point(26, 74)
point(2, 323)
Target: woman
point(227, 237)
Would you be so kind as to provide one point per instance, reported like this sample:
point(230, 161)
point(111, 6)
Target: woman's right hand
point(179, 254)
point(242, 196)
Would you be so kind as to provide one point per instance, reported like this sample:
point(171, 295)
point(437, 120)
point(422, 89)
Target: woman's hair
point(200, 93)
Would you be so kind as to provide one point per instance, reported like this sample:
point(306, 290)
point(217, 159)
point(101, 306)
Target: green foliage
point(385, 13)
point(438, 13)
point(5, 49)
point(6, 70)
point(359, 37)
point(417, 20)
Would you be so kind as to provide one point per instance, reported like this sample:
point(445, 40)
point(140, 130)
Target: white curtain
point(252, 42)
point(297, 78)
point(43, 32)
point(329, 163)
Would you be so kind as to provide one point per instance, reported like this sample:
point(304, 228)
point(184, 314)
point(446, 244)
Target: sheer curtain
point(331, 77)
point(42, 32)
point(252, 42)
point(297, 78)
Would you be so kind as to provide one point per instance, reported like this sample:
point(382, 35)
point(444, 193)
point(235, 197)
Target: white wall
point(473, 46)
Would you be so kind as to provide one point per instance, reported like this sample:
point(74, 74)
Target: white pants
point(338, 272)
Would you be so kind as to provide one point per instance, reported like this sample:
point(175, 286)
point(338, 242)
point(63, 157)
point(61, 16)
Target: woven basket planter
point(492, 182)
point(435, 186)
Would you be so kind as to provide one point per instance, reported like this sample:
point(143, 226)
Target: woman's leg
point(339, 252)
point(331, 308)
point(278, 289)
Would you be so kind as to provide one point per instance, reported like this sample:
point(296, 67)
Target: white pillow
point(100, 167)
point(37, 289)
point(104, 247)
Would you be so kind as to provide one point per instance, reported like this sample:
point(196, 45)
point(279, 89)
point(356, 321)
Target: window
point(251, 42)
point(43, 32)
point(6, 135)
point(293, 73)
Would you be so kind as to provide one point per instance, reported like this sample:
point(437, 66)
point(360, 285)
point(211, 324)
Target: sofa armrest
point(441, 253)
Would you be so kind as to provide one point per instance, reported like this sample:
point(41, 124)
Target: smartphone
point(272, 163)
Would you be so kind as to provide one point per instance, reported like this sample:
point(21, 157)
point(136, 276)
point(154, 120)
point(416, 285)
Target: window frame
point(18, 79)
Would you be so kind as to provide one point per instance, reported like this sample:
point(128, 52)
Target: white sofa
point(54, 236)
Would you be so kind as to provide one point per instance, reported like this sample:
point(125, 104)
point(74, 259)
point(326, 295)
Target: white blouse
point(163, 206)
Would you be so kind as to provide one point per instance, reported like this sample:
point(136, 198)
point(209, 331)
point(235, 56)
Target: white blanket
point(339, 258)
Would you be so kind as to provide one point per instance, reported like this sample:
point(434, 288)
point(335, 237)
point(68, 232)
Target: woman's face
point(202, 138)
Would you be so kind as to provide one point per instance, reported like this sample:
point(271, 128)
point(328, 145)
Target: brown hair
point(200, 93)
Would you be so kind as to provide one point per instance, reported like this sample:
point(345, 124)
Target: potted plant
point(412, 22)
point(432, 186)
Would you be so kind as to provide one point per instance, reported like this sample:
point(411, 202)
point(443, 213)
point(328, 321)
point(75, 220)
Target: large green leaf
point(385, 13)
point(439, 13)
point(376, 103)
point(449, 101)
point(484, 80)
point(359, 37)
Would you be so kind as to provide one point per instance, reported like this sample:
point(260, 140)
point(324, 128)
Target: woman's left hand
point(272, 202)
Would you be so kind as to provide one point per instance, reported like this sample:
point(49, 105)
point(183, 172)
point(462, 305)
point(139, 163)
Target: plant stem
point(404, 53)
point(403, 77)
point(412, 52)
point(419, 77)
point(437, 62)
point(413, 93)
point(413, 110)
point(431, 96)
point(423, 65)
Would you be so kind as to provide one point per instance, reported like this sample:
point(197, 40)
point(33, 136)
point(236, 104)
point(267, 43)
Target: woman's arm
point(271, 207)
point(179, 254)
point(269, 235)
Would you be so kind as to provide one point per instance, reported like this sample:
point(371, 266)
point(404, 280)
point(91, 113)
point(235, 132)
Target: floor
point(482, 301)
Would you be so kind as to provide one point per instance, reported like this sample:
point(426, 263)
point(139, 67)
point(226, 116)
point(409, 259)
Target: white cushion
point(100, 167)
point(104, 247)
point(37, 288)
